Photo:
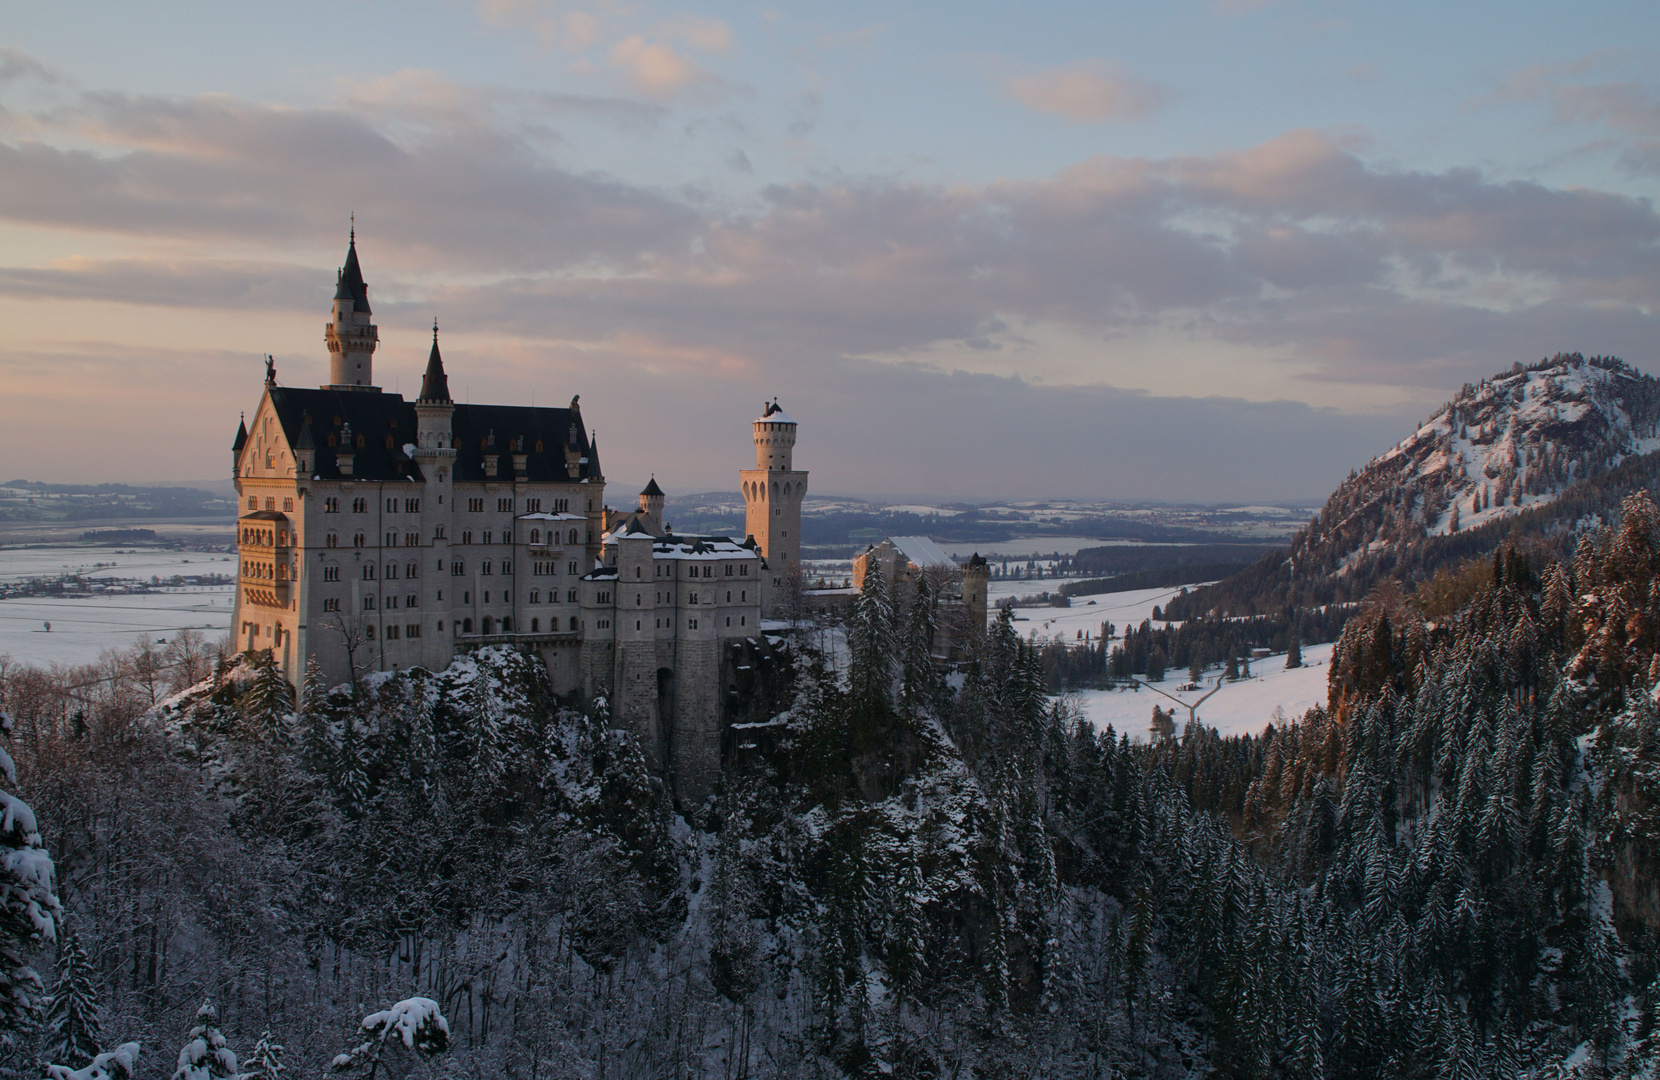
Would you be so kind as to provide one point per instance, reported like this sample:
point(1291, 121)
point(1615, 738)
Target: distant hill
point(1524, 455)
point(36, 501)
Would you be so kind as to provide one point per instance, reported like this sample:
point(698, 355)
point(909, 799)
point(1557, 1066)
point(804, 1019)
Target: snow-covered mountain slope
point(1518, 442)
point(1511, 442)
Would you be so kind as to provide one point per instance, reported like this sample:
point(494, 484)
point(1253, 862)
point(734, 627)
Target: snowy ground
point(84, 627)
point(1239, 708)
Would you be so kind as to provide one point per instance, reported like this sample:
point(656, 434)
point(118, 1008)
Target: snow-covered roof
point(693, 548)
point(553, 517)
point(775, 415)
point(923, 552)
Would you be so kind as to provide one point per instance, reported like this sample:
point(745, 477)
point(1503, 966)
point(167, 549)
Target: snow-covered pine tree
point(205, 1056)
point(917, 678)
point(268, 701)
point(870, 639)
point(29, 909)
point(119, 1064)
point(72, 1021)
point(416, 1024)
point(264, 1061)
point(316, 749)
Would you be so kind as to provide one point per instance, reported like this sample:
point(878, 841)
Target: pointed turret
point(435, 385)
point(241, 435)
point(351, 337)
point(593, 459)
point(651, 500)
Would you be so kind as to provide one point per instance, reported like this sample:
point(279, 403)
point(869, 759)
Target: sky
point(1210, 251)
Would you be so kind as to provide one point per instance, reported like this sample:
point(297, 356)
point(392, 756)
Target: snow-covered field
point(1239, 708)
point(83, 627)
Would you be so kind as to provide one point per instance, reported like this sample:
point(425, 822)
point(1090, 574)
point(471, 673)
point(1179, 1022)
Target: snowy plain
point(84, 627)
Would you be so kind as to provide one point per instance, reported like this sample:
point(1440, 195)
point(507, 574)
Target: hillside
point(1521, 456)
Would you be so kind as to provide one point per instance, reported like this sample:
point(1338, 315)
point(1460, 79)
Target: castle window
point(438, 533)
point(253, 502)
point(729, 620)
point(412, 506)
point(691, 624)
point(505, 506)
point(441, 626)
point(728, 596)
point(743, 596)
point(486, 596)
point(536, 536)
point(391, 603)
point(413, 630)
point(358, 540)
point(691, 597)
point(535, 624)
point(412, 539)
point(391, 539)
point(741, 620)
point(391, 571)
point(561, 506)
point(485, 567)
point(488, 537)
point(638, 572)
point(466, 536)
point(572, 538)
point(507, 566)
point(475, 506)
point(708, 571)
point(412, 600)
point(369, 632)
point(368, 571)
point(288, 506)
point(391, 506)
point(412, 570)
point(391, 633)
point(728, 569)
point(270, 504)
point(535, 598)
point(331, 604)
point(507, 624)
point(636, 624)
point(572, 569)
point(368, 603)
point(466, 626)
point(743, 571)
point(533, 506)
point(604, 598)
point(331, 573)
point(360, 506)
point(786, 532)
point(331, 505)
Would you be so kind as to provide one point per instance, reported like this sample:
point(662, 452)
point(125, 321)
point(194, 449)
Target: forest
point(1447, 871)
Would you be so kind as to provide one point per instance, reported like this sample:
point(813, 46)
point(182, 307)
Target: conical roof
point(652, 490)
point(351, 286)
point(435, 385)
point(241, 436)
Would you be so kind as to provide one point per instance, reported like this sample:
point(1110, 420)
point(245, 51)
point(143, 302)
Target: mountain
point(1510, 457)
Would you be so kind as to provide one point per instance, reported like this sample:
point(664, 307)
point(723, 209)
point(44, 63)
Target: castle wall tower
point(351, 337)
point(976, 585)
point(773, 491)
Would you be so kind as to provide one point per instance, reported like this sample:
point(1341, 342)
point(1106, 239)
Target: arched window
point(572, 538)
point(535, 625)
point(507, 624)
point(358, 540)
point(466, 626)
point(536, 536)
point(573, 622)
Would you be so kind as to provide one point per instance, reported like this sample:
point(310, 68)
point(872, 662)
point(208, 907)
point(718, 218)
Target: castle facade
point(378, 534)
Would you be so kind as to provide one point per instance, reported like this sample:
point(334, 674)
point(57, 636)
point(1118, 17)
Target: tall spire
point(435, 385)
point(350, 334)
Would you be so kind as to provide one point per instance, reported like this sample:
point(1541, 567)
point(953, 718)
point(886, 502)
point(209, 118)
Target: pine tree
point(73, 1018)
point(264, 1061)
point(29, 909)
point(316, 749)
point(1155, 664)
point(268, 701)
point(917, 677)
point(205, 1055)
point(870, 639)
point(1294, 653)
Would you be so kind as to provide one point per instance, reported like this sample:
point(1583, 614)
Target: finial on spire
point(435, 330)
point(354, 226)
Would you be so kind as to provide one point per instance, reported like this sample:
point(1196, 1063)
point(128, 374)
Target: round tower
point(351, 337)
point(651, 500)
point(773, 491)
point(976, 586)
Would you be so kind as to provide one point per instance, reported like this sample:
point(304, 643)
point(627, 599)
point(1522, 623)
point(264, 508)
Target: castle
point(377, 534)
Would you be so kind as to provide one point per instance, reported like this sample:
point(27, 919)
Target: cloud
point(1331, 278)
point(657, 70)
point(556, 24)
point(1087, 93)
point(1627, 107)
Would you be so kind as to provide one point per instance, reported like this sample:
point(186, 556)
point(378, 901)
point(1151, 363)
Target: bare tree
point(353, 635)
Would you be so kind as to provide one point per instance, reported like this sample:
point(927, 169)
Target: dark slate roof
point(435, 385)
point(351, 286)
point(241, 436)
point(652, 488)
point(376, 418)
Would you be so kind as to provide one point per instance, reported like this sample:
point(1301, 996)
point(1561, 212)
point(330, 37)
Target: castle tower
point(773, 491)
point(651, 500)
point(350, 335)
point(434, 411)
point(976, 585)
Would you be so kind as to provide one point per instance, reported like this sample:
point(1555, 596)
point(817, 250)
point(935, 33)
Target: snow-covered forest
point(1447, 872)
